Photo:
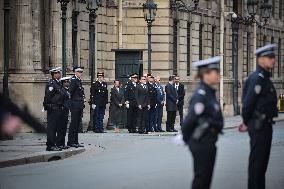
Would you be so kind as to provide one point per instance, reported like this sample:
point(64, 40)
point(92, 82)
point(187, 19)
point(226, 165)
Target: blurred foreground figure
point(203, 123)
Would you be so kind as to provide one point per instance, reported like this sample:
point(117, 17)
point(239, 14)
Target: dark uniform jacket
point(160, 94)
point(203, 107)
point(99, 93)
point(129, 94)
point(152, 92)
point(181, 94)
point(67, 99)
point(142, 95)
point(171, 97)
point(259, 95)
point(54, 95)
point(77, 94)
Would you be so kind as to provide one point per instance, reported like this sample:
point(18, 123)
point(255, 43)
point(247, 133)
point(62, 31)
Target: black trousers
point(60, 140)
point(171, 117)
point(204, 154)
point(141, 119)
point(76, 118)
point(53, 123)
point(260, 145)
point(180, 111)
point(131, 118)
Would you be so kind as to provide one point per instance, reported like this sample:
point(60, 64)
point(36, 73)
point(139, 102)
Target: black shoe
point(169, 130)
point(174, 130)
point(64, 147)
point(73, 145)
point(141, 132)
point(146, 132)
point(79, 146)
point(53, 148)
point(162, 131)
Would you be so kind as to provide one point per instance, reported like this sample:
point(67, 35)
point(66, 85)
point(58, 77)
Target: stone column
point(36, 45)
point(24, 36)
point(55, 35)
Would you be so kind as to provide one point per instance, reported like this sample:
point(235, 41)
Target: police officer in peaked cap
point(258, 110)
point(204, 122)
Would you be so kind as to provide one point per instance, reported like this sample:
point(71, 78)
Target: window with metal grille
point(175, 46)
point(200, 41)
point(188, 44)
point(248, 53)
point(279, 57)
point(213, 40)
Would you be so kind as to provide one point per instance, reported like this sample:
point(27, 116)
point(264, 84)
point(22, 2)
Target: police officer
point(53, 104)
point(77, 96)
point(99, 100)
point(152, 93)
point(60, 142)
point(258, 110)
point(131, 103)
point(203, 123)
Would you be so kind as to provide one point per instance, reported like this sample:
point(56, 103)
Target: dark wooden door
point(126, 63)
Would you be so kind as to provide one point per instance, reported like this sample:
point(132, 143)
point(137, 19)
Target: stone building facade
point(121, 44)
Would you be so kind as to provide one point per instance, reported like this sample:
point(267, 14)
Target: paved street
point(133, 161)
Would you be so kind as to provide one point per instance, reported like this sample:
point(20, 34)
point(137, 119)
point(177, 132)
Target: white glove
point(120, 105)
point(127, 106)
point(149, 107)
point(178, 140)
point(94, 106)
point(140, 107)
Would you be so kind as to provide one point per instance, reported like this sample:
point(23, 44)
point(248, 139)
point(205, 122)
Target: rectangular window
point(188, 48)
point(248, 53)
point(200, 41)
point(175, 46)
point(213, 40)
point(236, 6)
point(225, 52)
point(273, 8)
point(279, 57)
point(272, 70)
point(264, 40)
point(281, 3)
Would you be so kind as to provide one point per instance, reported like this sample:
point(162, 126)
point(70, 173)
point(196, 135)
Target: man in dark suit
point(171, 104)
point(99, 100)
point(116, 105)
point(152, 93)
point(131, 103)
point(160, 104)
point(181, 93)
point(77, 96)
point(143, 102)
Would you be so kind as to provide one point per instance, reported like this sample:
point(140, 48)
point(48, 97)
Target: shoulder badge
point(257, 89)
point(50, 88)
point(202, 92)
point(198, 108)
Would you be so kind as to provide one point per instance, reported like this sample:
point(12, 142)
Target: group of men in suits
point(145, 99)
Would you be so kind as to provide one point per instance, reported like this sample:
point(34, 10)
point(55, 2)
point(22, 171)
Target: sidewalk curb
point(41, 157)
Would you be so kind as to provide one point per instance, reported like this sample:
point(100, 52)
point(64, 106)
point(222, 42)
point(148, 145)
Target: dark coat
point(259, 96)
point(129, 93)
point(99, 93)
point(77, 94)
point(181, 94)
point(152, 92)
point(203, 107)
point(142, 96)
point(116, 98)
point(171, 97)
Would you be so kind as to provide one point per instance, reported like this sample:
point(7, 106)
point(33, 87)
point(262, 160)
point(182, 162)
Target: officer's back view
point(258, 110)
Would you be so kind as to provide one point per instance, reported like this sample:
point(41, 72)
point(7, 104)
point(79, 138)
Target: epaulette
point(202, 92)
point(260, 75)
